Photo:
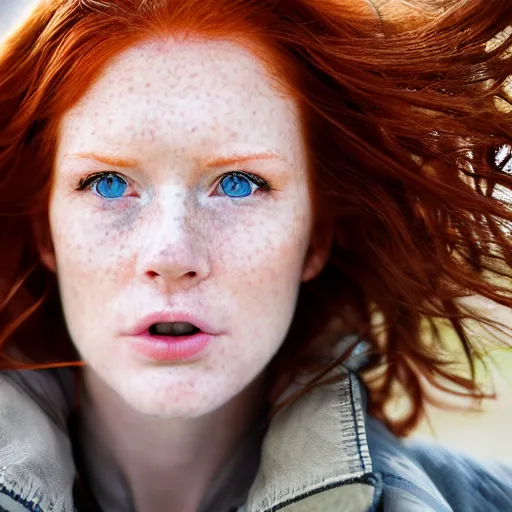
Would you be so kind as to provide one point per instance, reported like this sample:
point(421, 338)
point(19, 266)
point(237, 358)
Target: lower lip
point(171, 348)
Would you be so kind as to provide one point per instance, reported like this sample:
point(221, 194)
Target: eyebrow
point(233, 159)
point(105, 159)
point(216, 162)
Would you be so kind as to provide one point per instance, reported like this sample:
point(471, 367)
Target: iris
point(110, 186)
point(236, 186)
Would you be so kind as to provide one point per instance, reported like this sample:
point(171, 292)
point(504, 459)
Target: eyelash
point(90, 180)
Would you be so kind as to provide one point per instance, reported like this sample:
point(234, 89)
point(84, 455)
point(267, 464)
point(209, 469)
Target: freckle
point(148, 84)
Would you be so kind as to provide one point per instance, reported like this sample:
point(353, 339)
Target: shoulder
point(36, 463)
point(424, 474)
point(466, 482)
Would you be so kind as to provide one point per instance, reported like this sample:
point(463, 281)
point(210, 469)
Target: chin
point(172, 401)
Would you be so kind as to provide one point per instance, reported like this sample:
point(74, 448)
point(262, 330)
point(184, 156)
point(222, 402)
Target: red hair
point(407, 150)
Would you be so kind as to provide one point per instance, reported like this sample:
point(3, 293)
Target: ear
point(48, 260)
point(319, 250)
point(44, 243)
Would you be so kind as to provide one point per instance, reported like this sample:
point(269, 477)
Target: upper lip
point(142, 326)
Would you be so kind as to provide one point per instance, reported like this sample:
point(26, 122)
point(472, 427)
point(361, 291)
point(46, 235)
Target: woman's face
point(181, 194)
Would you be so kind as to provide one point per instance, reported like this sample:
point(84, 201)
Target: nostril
point(152, 274)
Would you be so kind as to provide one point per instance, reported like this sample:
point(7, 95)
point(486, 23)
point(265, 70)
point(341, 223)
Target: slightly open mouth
point(173, 329)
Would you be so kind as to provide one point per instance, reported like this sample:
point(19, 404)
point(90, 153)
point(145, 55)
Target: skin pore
point(168, 120)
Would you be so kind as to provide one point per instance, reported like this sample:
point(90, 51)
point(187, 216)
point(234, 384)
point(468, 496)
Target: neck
point(168, 463)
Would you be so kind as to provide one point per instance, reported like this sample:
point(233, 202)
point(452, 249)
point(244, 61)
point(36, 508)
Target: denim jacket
point(322, 454)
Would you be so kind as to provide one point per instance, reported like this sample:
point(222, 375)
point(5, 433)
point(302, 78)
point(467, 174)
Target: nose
point(174, 254)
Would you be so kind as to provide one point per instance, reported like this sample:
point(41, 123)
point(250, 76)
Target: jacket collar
point(311, 450)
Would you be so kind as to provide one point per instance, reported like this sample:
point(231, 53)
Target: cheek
point(270, 249)
point(85, 247)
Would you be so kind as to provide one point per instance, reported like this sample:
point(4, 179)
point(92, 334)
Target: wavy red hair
point(407, 151)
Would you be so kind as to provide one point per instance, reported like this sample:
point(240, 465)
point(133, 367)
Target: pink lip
point(170, 348)
point(143, 325)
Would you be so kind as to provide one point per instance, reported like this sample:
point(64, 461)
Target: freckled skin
point(175, 241)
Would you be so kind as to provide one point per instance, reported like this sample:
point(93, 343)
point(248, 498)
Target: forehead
point(213, 91)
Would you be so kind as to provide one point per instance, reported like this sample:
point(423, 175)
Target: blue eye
point(237, 185)
point(110, 186)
